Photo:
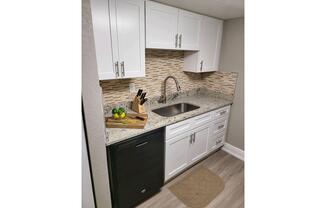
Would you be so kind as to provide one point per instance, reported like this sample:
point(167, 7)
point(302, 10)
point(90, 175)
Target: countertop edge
point(160, 126)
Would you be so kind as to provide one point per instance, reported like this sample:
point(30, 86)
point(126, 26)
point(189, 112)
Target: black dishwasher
point(136, 168)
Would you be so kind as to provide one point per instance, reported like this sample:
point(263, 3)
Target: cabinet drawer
point(177, 129)
point(202, 119)
point(215, 140)
point(220, 113)
point(220, 137)
point(220, 125)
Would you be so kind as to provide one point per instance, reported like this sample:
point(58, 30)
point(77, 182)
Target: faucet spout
point(163, 97)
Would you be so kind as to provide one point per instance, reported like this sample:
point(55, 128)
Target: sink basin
point(175, 109)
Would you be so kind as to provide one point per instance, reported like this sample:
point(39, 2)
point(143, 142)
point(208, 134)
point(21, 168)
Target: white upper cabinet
point(210, 43)
point(171, 28)
point(188, 30)
point(210, 37)
point(120, 50)
point(102, 38)
point(131, 37)
point(161, 26)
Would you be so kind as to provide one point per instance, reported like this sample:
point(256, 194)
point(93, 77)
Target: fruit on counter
point(123, 115)
point(116, 116)
point(118, 113)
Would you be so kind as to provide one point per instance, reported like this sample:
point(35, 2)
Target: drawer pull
point(218, 141)
point(221, 126)
point(141, 144)
point(222, 113)
point(143, 191)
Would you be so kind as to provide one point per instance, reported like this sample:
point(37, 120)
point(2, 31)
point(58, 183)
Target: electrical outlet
point(132, 87)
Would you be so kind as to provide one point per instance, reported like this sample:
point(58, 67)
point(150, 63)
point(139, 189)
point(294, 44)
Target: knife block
point(137, 107)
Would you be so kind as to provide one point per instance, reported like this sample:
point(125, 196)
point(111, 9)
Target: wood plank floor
point(229, 168)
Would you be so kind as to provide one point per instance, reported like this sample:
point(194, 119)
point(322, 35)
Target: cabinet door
point(131, 37)
point(176, 154)
point(210, 44)
point(198, 148)
point(102, 38)
point(188, 30)
point(161, 26)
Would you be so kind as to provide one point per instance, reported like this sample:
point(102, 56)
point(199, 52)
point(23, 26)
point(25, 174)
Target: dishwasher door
point(136, 168)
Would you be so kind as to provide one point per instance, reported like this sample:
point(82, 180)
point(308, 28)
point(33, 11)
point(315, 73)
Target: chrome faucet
point(163, 97)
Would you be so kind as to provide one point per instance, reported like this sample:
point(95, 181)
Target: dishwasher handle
point(142, 144)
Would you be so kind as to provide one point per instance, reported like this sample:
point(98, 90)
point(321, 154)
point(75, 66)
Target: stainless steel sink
point(175, 109)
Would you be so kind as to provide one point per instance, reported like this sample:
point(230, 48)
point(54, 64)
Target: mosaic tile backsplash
point(160, 64)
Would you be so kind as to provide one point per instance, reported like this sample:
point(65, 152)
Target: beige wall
point(232, 60)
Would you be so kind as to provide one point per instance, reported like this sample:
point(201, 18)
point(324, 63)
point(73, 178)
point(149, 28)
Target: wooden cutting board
point(129, 122)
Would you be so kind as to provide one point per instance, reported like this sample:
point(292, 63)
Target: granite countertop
point(206, 101)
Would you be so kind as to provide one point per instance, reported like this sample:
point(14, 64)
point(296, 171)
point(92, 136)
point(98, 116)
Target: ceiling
point(222, 9)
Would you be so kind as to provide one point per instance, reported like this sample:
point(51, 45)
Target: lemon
point(123, 115)
point(115, 116)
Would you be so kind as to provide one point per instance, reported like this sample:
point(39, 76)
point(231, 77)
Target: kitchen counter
point(206, 101)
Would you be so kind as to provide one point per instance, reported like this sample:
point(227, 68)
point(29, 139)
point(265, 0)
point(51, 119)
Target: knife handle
point(143, 95)
point(143, 101)
point(139, 92)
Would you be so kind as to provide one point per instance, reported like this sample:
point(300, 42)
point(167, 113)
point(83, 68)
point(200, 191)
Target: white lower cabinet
point(190, 140)
point(198, 147)
point(176, 154)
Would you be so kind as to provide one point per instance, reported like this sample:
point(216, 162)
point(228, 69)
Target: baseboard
point(232, 150)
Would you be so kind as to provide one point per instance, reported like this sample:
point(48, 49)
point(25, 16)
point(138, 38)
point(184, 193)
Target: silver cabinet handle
point(122, 68)
point(180, 39)
point(201, 65)
point(176, 40)
point(223, 112)
point(194, 137)
point(141, 144)
point(117, 74)
point(221, 126)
